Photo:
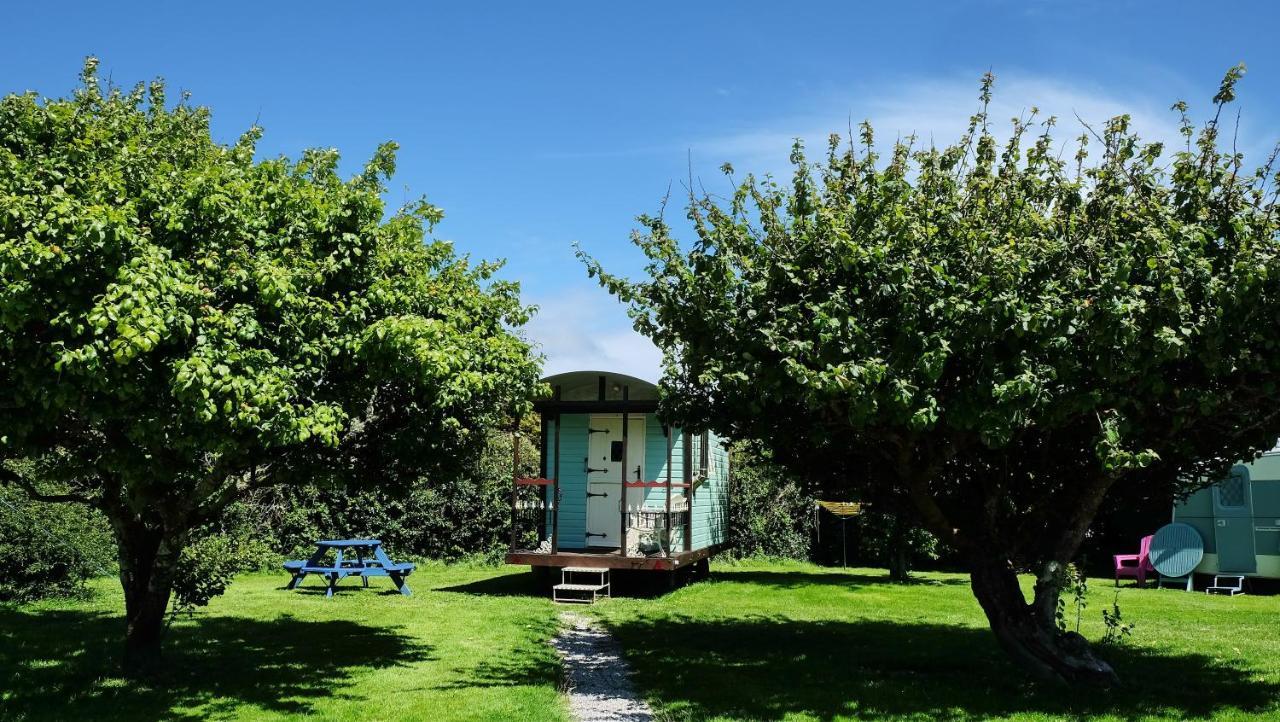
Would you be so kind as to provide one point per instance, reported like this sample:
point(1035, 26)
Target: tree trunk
point(1028, 632)
point(148, 562)
point(897, 550)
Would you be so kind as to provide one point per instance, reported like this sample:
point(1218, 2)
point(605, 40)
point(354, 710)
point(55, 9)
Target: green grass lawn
point(798, 642)
point(757, 642)
point(262, 653)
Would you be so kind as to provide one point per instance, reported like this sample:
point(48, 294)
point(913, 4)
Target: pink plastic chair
point(1135, 566)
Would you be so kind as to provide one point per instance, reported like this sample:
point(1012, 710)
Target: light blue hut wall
point(573, 479)
point(1265, 473)
point(718, 521)
point(655, 461)
point(655, 469)
point(711, 499)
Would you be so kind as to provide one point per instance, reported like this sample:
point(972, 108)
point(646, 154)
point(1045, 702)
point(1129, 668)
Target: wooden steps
point(1220, 585)
point(573, 588)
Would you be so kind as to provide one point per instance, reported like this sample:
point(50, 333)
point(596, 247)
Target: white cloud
point(584, 328)
point(937, 111)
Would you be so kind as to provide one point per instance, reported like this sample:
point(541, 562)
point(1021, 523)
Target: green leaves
point(1111, 449)
point(1017, 327)
point(176, 315)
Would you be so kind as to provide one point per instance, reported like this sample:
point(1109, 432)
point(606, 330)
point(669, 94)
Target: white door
point(604, 475)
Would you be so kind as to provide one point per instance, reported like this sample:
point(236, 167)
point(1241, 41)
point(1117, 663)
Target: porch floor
point(609, 558)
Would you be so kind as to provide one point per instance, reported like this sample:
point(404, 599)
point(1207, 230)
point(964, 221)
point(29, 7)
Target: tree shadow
point(631, 583)
point(351, 587)
point(650, 585)
point(846, 580)
point(505, 585)
point(769, 668)
point(64, 665)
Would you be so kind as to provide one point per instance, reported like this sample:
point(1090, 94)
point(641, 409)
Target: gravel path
point(599, 688)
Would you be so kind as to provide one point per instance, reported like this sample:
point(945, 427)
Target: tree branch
point(932, 515)
point(8, 476)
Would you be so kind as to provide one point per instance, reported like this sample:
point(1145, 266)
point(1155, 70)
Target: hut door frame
point(604, 476)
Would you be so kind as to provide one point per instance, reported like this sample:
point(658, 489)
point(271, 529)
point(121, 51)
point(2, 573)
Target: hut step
point(1221, 585)
point(572, 588)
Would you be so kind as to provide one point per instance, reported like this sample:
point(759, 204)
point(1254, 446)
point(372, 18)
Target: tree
point(181, 323)
point(890, 535)
point(1000, 335)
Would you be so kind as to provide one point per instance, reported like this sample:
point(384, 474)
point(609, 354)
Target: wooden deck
point(610, 559)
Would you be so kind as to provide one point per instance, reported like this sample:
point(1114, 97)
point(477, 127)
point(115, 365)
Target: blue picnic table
point(362, 558)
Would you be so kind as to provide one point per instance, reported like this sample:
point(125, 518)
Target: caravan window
point(1231, 491)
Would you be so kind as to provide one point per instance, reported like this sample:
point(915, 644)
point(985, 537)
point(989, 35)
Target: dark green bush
point(50, 549)
point(771, 514)
point(774, 514)
point(446, 518)
point(208, 565)
point(890, 540)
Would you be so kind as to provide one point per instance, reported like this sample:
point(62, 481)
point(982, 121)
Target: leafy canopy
point(957, 314)
point(180, 320)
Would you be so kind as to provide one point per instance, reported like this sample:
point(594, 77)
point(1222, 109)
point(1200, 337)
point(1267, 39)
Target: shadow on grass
point(64, 665)
point(374, 588)
point(505, 585)
point(649, 584)
point(768, 668)
point(798, 580)
point(631, 583)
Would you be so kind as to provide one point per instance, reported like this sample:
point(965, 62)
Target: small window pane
point(1231, 491)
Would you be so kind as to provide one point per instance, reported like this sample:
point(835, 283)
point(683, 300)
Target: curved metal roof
point(585, 386)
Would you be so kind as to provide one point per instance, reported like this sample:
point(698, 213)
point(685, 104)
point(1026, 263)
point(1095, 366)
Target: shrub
point(892, 539)
point(446, 517)
point(50, 549)
point(771, 514)
point(208, 565)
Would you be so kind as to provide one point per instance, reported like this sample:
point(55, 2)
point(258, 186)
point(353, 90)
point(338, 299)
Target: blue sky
point(535, 125)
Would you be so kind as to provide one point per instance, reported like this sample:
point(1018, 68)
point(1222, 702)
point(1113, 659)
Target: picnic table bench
point(370, 560)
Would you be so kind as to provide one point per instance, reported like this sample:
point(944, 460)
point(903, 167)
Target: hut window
point(615, 451)
point(704, 454)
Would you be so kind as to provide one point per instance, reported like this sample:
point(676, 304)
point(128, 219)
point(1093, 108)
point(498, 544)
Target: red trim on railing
point(534, 482)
